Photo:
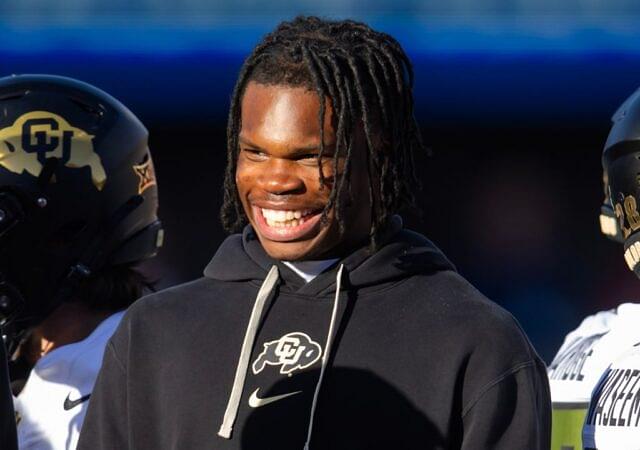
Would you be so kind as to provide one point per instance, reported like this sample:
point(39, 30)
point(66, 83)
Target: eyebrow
point(246, 141)
point(307, 148)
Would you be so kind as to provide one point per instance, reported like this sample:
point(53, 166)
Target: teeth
point(280, 218)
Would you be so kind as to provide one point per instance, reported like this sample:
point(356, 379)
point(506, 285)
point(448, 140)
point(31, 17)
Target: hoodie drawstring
point(265, 291)
point(247, 344)
point(325, 356)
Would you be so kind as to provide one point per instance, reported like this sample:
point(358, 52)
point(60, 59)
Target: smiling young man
point(278, 181)
point(324, 324)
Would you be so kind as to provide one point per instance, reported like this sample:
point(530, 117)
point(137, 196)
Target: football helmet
point(77, 192)
point(621, 163)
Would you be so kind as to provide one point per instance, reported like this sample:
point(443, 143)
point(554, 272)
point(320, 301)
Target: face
point(278, 179)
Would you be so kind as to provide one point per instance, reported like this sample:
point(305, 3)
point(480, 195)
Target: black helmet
point(621, 163)
point(77, 192)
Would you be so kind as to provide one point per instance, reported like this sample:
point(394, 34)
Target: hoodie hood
point(403, 253)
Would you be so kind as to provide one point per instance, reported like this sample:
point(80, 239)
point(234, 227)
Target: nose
point(280, 177)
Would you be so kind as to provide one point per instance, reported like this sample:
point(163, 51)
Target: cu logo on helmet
point(292, 351)
point(38, 135)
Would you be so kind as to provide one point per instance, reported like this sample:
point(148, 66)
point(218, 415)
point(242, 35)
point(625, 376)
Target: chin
point(287, 251)
point(311, 248)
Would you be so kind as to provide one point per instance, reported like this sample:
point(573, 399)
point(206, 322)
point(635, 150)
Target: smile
point(286, 225)
point(281, 218)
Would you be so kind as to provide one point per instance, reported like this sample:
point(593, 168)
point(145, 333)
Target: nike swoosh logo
point(69, 404)
point(257, 402)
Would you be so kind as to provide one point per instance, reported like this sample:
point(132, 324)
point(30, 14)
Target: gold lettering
point(631, 209)
point(620, 215)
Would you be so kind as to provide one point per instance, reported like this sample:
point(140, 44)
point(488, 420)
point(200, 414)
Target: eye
point(308, 159)
point(254, 155)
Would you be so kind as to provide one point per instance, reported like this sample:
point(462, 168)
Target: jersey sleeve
point(106, 424)
point(596, 324)
point(584, 355)
point(512, 412)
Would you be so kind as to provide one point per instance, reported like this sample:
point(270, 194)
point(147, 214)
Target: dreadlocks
point(367, 77)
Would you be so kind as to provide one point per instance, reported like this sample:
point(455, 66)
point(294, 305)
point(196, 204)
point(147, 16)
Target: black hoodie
point(408, 355)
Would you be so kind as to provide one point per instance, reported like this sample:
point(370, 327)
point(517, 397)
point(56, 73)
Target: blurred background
point(514, 98)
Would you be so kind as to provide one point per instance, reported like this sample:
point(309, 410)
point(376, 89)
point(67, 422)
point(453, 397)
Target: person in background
point(613, 418)
point(78, 210)
point(322, 324)
point(8, 440)
point(594, 376)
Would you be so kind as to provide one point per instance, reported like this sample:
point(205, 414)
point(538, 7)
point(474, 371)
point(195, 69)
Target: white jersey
point(51, 407)
point(584, 356)
point(613, 420)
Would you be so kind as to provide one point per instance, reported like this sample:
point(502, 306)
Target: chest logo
point(257, 402)
point(292, 351)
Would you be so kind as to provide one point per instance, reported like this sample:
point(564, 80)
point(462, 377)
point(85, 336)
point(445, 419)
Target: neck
point(69, 323)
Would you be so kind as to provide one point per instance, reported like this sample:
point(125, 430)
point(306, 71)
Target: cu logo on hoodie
point(292, 351)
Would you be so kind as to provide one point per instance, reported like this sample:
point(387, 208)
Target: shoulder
point(496, 336)
point(171, 312)
point(491, 350)
point(475, 319)
point(186, 299)
point(625, 314)
point(181, 292)
point(479, 336)
point(621, 321)
point(600, 322)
